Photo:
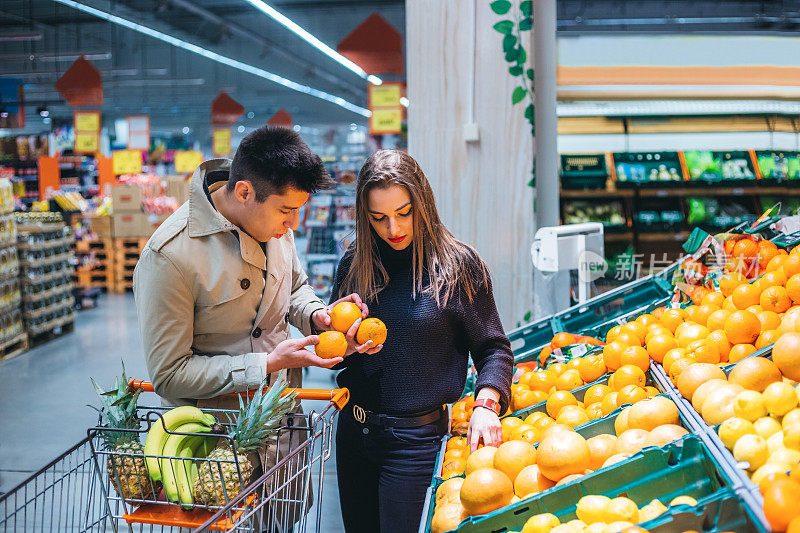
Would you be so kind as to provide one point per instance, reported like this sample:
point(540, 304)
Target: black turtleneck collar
point(393, 260)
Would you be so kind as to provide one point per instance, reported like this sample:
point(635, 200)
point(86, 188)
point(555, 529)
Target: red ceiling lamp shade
point(375, 46)
point(281, 118)
point(81, 84)
point(225, 110)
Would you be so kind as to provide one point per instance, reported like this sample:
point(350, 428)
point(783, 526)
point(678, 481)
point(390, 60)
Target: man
point(219, 282)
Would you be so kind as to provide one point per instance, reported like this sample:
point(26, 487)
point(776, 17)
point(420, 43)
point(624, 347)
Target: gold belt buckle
point(359, 414)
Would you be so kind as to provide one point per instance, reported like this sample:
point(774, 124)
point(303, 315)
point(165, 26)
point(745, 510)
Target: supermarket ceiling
point(39, 39)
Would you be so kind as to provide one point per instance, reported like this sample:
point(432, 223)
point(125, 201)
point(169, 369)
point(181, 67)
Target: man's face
point(272, 218)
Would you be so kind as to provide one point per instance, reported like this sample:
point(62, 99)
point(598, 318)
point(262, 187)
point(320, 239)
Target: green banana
point(187, 472)
point(173, 472)
point(157, 436)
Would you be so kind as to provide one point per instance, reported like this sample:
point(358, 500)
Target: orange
point(543, 423)
point(572, 416)
point(745, 249)
point(612, 353)
point(636, 356)
point(742, 327)
point(785, 355)
point(729, 282)
point(612, 333)
point(659, 345)
point(631, 394)
point(658, 311)
point(766, 338)
point(651, 391)
point(456, 442)
point(371, 329)
point(697, 294)
point(672, 356)
point(755, 373)
point(343, 315)
point(545, 354)
point(649, 414)
point(640, 330)
point(777, 262)
point(775, 278)
point(695, 375)
point(755, 309)
point(646, 319)
point(601, 447)
point(780, 503)
point(558, 400)
point(716, 320)
point(629, 375)
point(791, 266)
point(775, 299)
point(448, 516)
point(655, 330)
point(486, 490)
point(739, 352)
point(568, 380)
point(702, 312)
point(562, 454)
point(508, 424)
point(629, 338)
point(454, 467)
point(454, 453)
point(513, 456)
point(573, 363)
point(524, 399)
point(745, 295)
point(595, 393)
point(679, 366)
point(793, 288)
point(766, 251)
point(595, 411)
point(769, 320)
point(713, 299)
point(672, 318)
point(591, 367)
point(690, 332)
point(737, 265)
point(332, 344)
point(720, 340)
point(542, 380)
point(728, 304)
point(704, 351)
point(531, 481)
point(557, 369)
point(609, 403)
point(563, 339)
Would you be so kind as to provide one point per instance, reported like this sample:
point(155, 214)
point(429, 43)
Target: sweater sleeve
point(338, 278)
point(488, 344)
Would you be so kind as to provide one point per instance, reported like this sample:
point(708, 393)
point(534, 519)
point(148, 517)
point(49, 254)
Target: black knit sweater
point(423, 363)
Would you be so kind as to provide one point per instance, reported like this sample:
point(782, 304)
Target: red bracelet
point(488, 403)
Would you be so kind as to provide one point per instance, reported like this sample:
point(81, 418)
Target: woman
point(435, 296)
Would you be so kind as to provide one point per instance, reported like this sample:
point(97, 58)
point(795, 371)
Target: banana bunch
point(170, 457)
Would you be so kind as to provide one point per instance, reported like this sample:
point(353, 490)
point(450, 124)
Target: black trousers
point(384, 473)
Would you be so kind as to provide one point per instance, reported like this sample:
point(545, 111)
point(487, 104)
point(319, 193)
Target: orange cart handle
point(339, 397)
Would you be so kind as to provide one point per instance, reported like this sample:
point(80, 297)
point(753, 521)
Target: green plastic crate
point(684, 467)
point(718, 512)
point(527, 341)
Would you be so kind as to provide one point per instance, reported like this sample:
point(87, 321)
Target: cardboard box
point(130, 225)
point(101, 226)
point(178, 188)
point(151, 222)
point(126, 198)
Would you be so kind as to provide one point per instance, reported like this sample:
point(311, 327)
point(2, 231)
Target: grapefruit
point(694, 376)
point(649, 414)
point(486, 490)
point(563, 454)
point(754, 373)
point(786, 355)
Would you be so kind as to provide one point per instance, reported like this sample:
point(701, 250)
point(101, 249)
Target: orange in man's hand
point(332, 344)
point(343, 315)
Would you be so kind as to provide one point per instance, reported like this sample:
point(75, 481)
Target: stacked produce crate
point(95, 264)
point(13, 339)
point(44, 245)
point(126, 255)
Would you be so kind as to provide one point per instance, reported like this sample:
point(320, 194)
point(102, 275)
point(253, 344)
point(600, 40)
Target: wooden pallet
point(98, 246)
point(94, 278)
point(55, 329)
point(130, 244)
point(123, 286)
point(13, 346)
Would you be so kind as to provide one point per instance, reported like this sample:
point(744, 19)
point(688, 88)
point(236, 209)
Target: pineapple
point(126, 469)
point(254, 424)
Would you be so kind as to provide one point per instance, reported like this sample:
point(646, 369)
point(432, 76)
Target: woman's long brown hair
point(451, 265)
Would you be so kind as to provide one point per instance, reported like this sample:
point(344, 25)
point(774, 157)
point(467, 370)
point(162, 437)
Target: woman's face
point(391, 214)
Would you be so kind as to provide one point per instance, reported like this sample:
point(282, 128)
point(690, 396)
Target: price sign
point(386, 121)
point(86, 121)
point(386, 95)
point(186, 161)
point(127, 161)
point(86, 142)
point(221, 141)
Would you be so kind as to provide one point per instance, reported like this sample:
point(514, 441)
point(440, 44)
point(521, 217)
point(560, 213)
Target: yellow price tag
point(86, 143)
point(221, 141)
point(386, 121)
point(86, 121)
point(386, 95)
point(186, 161)
point(127, 161)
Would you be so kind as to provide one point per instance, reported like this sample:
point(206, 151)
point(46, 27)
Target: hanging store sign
point(186, 161)
point(221, 142)
point(87, 132)
point(127, 162)
point(387, 113)
point(139, 132)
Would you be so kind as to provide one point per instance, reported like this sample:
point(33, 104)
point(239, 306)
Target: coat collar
point(205, 220)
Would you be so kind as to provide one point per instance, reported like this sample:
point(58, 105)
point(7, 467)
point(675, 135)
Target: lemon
point(616, 527)
point(775, 442)
point(767, 469)
point(592, 508)
point(597, 527)
point(540, 523)
point(533, 417)
point(791, 437)
point(751, 449)
point(652, 510)
point(749, 405)
point(792, 418)
point(785, 455)
point(766, 426)
point(733, 429)
point(622, 510)
point(566, 528)
point(780, 398)
point(578, 524)
point(683, 500)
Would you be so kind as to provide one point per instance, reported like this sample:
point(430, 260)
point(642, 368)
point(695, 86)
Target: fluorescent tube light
point(219, 58)
point(295, 28)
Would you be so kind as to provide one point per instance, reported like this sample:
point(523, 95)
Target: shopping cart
point(74, 492)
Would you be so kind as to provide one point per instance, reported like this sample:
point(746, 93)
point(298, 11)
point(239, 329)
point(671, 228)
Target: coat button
point(256, 333)
point(245, 284)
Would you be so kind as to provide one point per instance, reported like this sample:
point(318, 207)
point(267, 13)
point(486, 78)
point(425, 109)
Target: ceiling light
point(240, 129)
point(174, 41)
point(404, 101)
point(296, 127)
point(46, 120)
point(292, 26)
point(250, 114)
point(43, 112)
point(185, 130)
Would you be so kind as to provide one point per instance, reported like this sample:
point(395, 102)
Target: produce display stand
point(74, 491)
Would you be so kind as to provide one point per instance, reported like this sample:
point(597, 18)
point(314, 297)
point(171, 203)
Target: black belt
point(365, 416)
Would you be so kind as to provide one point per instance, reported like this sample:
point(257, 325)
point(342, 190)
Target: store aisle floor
point(44, 394)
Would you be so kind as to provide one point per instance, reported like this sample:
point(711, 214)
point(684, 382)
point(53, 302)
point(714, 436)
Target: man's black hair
point(273, 158)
